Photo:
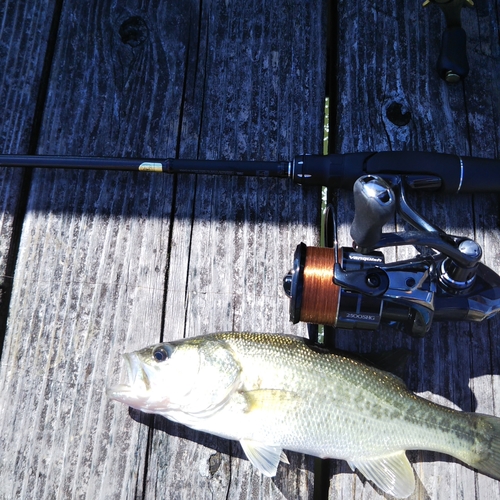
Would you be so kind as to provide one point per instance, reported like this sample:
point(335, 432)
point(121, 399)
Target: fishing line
point(320, 299)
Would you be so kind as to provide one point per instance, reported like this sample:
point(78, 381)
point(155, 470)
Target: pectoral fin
point(391, 473)
point(265, 457)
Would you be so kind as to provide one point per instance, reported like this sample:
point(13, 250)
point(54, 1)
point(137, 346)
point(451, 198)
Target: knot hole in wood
point(394, 113)
point(134, 31)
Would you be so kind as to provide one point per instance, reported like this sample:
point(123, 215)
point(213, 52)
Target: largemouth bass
point(275, 392)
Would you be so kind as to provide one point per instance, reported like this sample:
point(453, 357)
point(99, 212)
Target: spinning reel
point(353, 287)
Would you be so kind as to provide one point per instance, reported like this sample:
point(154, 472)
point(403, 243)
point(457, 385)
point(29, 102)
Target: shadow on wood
point(220, 454)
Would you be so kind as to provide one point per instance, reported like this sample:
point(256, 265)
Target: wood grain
point(391, 98)
point(24, 29)
point(110, 262)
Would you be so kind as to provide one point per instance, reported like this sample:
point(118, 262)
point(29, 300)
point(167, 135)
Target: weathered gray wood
point(390, 51)
point(88, 281)
point(24, 33)
point(24, 29)
point(110, 262)
point(244, 231)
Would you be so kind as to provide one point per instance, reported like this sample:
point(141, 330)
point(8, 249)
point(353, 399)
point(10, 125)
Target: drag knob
point(374, 205)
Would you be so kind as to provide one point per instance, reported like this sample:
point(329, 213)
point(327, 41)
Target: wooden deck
point(97, 263)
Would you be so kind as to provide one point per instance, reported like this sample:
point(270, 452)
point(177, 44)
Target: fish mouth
point(135, 392)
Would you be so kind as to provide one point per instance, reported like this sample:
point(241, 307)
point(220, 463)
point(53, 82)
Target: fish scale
point(275, 392)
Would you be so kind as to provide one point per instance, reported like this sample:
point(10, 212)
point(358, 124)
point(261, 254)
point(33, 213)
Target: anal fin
point(391, 473)
point(264, 457)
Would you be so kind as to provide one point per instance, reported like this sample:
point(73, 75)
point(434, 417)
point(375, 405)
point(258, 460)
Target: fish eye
point(162, 353)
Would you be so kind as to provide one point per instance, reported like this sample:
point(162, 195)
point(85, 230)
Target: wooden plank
point(87, 282)
point(74, 454)
point(392, 99)
point(244, 232)
point(110, 262)
point(24, 28)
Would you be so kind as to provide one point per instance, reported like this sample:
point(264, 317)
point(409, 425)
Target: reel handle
point(375, 205)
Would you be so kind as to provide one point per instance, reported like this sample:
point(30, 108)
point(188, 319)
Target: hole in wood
point(395, 114)
point(133, 31)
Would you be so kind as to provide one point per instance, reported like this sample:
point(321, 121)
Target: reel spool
point(313, 294)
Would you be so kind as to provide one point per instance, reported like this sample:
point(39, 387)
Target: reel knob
point(375, 205)
point(458, 278)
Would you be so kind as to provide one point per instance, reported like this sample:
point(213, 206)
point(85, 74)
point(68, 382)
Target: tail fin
point(485, 455)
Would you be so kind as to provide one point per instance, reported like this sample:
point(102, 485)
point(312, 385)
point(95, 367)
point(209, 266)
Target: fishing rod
point(422, 170)
point(354, 288)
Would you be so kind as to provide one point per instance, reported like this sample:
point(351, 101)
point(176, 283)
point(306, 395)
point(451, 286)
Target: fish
point(274, 392)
